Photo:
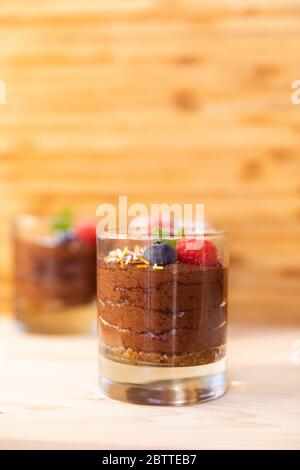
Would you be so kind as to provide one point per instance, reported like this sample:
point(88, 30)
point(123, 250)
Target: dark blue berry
point(160, 254)
point(65, 237)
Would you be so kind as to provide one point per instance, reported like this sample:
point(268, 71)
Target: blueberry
point(160, 254)
point(65, 237)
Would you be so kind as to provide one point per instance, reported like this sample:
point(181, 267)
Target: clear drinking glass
point(162, 317)
point(54, 274)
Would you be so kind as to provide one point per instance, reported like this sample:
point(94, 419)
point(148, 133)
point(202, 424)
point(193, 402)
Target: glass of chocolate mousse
point(55, 273)
point(162, 317)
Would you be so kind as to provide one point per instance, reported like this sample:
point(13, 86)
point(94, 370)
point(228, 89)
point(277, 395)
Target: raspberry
point(86, 233)
point(197, 252)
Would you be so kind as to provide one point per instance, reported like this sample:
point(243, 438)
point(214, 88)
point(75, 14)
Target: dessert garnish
point(127, 257)
point(162, 237)
point(64, 237)
point(155, 267)
point(195, 251)
point(65, 230)
point(63, 221)
point(86, 232)
point(160, 254)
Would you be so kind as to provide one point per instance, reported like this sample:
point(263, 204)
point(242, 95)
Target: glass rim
point(125, 236)
point(27, 217)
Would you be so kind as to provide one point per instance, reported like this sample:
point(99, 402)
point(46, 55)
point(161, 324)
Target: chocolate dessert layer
point(64, 272)
point(178, 310)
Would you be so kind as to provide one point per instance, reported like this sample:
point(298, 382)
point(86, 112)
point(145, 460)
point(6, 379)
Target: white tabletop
point(49, 398)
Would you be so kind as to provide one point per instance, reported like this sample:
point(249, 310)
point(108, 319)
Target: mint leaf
point(63, 221)
point(170, 241)
point(160, 233)
point(181, 233)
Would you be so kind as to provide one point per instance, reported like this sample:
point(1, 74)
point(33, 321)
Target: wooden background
point(162, 100)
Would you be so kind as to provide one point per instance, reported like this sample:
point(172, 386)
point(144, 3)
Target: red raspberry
point(86, 233)
point(197, 252)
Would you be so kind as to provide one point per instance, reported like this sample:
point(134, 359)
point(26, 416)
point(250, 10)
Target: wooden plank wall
point(162, 100)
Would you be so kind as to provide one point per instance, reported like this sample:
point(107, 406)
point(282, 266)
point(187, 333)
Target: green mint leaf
point(160, 234)
point(63, 221)
point(170, 241)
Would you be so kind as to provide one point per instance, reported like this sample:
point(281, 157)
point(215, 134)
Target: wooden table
point(49, 398)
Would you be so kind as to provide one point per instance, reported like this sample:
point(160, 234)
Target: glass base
point(77, 319)
point(162, 385)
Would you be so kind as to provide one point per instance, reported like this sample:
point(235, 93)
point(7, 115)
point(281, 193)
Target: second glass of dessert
point(55, 273)
point(162, 317)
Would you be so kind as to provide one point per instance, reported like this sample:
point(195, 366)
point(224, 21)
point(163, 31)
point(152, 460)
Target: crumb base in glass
point(162, 385)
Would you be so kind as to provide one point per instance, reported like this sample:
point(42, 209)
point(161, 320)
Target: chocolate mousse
point(64, 272)
point(55, 276)
point(163, 307)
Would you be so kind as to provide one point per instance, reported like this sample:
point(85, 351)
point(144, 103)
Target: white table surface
point(49, 398)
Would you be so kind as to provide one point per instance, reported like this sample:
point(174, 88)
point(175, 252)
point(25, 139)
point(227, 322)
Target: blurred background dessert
point(54, 274)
